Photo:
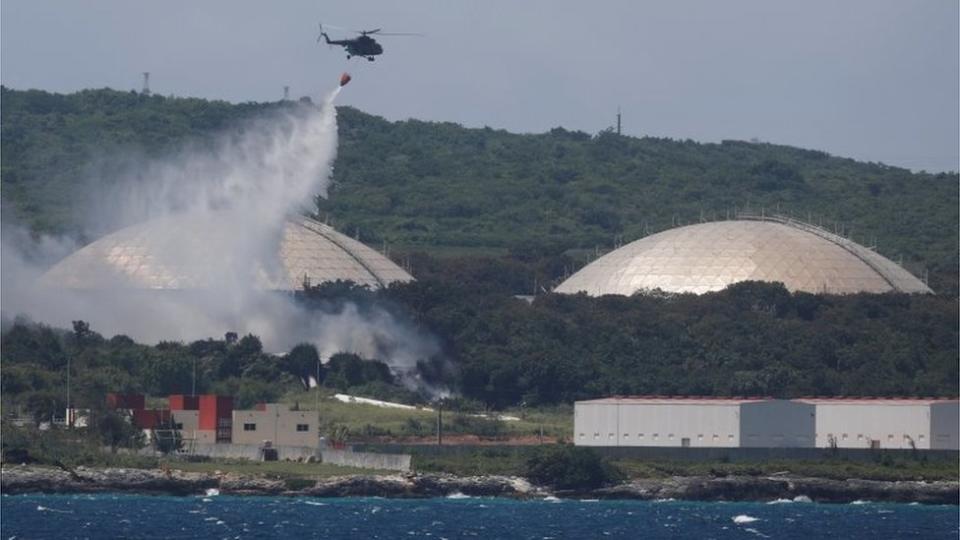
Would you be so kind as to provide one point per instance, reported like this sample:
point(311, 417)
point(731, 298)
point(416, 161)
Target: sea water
point(137, 516)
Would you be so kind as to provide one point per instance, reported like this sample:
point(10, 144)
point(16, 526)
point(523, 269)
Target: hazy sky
point(876, 80)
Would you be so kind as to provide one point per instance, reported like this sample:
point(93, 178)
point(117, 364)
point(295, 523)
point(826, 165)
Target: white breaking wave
point(743, 518)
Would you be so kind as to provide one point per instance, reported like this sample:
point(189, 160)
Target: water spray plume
point(248, 182)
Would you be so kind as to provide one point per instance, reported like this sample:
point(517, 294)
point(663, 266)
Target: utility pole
point(69, 412)
point(618, 120)
point(439, 423)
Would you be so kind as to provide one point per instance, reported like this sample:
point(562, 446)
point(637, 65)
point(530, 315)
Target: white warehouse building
point(662, 421)
point(694, 422)
point(924, 424)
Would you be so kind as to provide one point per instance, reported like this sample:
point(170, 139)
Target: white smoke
point(238, 192)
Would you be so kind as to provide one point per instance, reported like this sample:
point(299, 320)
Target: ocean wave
point(41, 508)
point(743, 518)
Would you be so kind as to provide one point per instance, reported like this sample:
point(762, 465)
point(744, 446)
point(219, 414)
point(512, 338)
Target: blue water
point(133, 516)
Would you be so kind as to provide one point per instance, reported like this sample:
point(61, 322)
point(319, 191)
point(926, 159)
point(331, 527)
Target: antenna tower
point(146, 83)
point(286, 93)
point(618, 120)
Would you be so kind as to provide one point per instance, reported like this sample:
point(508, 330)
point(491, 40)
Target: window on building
point(655, 435)
point(581, 435)
point(178, 425)
point(303, 427)
point(609, 435)
point(670, 436)
point(626, 435)
point(639, 435)
point(700, 437)
point(249, 427)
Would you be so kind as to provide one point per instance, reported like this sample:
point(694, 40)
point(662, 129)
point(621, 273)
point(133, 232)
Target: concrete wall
point(657, 424)
point(680, 424)
point(672, 454)
point(945, 426)
point(276, 424)
point(367, 460)
point(251, 451)
point(345, 458)
point(777, 424)
point(187, 422)
point(854, 425)
point(596, 424)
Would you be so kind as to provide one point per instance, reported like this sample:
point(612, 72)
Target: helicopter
point(362, 46)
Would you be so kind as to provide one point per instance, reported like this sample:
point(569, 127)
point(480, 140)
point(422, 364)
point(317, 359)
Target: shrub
point(571, 467)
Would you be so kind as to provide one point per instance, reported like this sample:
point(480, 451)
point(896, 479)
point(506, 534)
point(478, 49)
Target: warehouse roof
point(677, 400)
point(876, 400)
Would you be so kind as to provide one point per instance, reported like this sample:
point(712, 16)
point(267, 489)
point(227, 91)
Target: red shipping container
point(180, 402)
point(216, 413)
point(150, 418)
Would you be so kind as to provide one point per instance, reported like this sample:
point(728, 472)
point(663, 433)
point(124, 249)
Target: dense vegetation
point(751, 339)
point(533, 204)
point(442, 188)
point(36, 360)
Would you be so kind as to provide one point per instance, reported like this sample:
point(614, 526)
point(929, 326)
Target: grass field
point(366, 422)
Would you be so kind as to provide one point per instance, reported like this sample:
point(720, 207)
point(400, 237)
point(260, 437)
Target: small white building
point(277, 424)
point(924, 424)
point(704, 422)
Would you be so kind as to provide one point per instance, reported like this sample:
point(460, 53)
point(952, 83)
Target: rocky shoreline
point(31, 479)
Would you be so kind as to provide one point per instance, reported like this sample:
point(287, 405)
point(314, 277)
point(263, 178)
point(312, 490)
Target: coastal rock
point(236, 484)
point(83, 480)
point(32, 479)
point(753, 488)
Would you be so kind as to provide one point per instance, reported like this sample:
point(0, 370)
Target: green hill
point(443, 188)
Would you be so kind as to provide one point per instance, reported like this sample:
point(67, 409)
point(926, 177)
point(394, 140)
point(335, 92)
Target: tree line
point(751, 339)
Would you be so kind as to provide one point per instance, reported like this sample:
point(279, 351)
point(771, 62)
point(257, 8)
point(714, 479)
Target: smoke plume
point(237, 192)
